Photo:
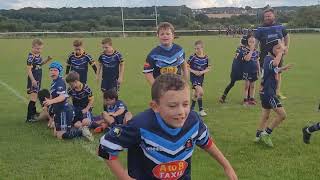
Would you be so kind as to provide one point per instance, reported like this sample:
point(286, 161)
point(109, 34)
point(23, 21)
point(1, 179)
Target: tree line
point(109, 18)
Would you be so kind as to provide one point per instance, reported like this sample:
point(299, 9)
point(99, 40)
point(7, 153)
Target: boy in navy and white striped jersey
point(161, 140)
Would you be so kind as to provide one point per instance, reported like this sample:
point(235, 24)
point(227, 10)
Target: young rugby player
point(268, 95)
point(167, 57)
point(161, 140)
point(34, 73)
point(78, 61)
point(198, 66)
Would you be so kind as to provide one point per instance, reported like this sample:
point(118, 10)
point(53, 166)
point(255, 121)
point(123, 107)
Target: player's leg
point(226, 91)
point(265, 114)
point(31, 114)
point(193, 98)
point(252, 91)
point(246, 92)
point(308, 130)
point(199, 93)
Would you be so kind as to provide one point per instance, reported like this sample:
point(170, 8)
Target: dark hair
point(42, 95)
point(72, 77)
point(165, 26)
point(110, 94)
point(166, 82)
point(245, 38)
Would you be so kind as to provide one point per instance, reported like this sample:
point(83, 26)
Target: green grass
point(28, 151)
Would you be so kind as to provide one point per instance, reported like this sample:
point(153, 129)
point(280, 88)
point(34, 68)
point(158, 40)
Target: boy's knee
point(283, 116)
point(86, 122)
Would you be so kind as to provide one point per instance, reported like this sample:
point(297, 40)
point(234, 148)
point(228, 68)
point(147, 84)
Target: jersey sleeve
point(89, 59)
point(284, 31)
point(257, 34)
point(120, 57)
point(61, 89)
point(88, 91)
point(69, 60)
point(118, 138)
point(149, 65)
point(30, 59)
point(190, 59)
point(203, 140)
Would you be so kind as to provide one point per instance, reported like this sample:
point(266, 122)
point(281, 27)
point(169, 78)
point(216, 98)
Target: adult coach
point(267, 32)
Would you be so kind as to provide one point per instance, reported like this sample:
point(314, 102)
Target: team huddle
point(161, 139)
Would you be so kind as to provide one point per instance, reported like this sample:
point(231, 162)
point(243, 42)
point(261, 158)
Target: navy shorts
point(30, 88)
point(196, 81)
point(107, 85)
point(270, 102)
point(63, 120)
point(79, 116)
point(252, 77)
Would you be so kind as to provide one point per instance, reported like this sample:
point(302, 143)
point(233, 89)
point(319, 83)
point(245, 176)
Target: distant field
point(28, 151)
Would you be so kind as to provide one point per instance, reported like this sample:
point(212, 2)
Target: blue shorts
point(236, 75)
point(107, 85)
point(252, 77)
point(270, 102)
point(63, 120)
point(30, 88)
point(79, 116)
point(196, 81)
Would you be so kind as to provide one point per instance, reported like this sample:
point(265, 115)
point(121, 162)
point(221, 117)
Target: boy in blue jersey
point(269, 100)
point(251, 69)
point(271, 30)
point(161, 140)
point(167, 57)
point(82, 101)
point(111, 66)
point(34, 73)
point(63, 113)
point(115, 111)
point(78, 61)
point(198, 66)
point(242, 53)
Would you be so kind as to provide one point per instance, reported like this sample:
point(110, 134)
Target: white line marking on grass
point(16, 93)
point(25, 100)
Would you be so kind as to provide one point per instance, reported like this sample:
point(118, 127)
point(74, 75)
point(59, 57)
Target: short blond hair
point(37, 41)
point(77, 43)
point(107, 41)
point(199, 42)
point(165, 26)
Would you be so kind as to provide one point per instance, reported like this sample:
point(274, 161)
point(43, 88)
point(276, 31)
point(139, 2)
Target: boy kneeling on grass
point(161, 140)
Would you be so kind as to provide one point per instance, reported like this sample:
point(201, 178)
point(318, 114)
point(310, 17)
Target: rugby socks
point(31, 109)
point(200, 104)
point(193, 104)
point(268, 130)
point(258, 133)
point(313, 128)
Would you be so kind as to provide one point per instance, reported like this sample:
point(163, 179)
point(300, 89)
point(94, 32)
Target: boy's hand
point(119, 80)
point(34, 83)
point(49, 58)
point(287, 67)
point(231, 174)
point(85, 110)
point(286, 49)
point(47, 102)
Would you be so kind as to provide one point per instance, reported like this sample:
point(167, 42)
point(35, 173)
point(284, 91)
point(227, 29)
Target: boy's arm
point(149, 77)
point(218, 156)
point(118, 138)
point(58, 99)
point(119, 112)
point(90, 105)
point(99, 70)
point(121, 72)
point(29, 73)
point(93, 65)
point(49, 58)
point(185, 70)
point(118, 170)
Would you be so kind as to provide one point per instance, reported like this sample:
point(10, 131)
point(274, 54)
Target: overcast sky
point(17, 4)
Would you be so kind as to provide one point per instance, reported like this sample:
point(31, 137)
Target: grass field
point(28, 151)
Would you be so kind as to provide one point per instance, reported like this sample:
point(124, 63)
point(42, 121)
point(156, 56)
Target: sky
point(194, 4)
